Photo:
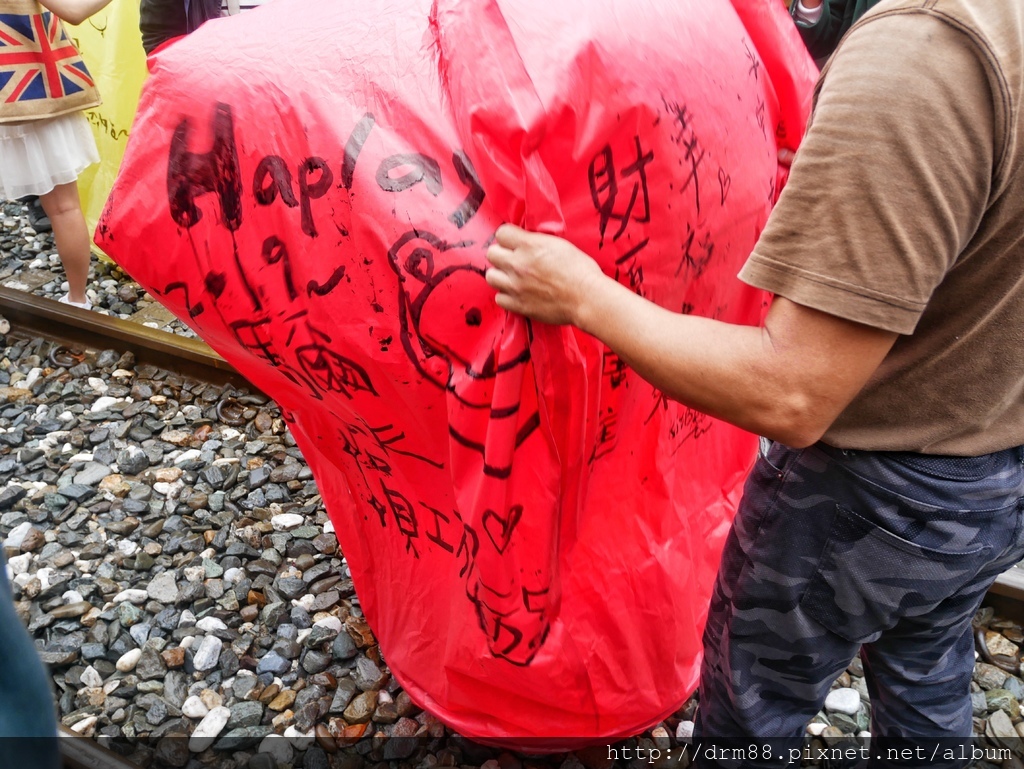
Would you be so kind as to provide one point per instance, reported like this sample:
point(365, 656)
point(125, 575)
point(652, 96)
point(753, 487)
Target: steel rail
point(1006, 595)
point(78, 752)
point(71, 325)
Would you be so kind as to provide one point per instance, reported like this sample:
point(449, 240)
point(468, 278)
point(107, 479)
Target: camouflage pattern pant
point(834, 551)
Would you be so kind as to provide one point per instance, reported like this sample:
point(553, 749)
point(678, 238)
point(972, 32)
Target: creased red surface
point(532, 529)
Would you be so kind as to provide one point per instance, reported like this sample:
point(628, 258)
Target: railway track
point(35, 316)
point(79, 752)
point(75, 330)
point(1007, 595)
point(31, 315)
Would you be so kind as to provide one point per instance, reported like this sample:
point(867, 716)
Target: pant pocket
point(774, 454)
point(869, 578)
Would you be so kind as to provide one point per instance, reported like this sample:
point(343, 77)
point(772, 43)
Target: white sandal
point(66, 299)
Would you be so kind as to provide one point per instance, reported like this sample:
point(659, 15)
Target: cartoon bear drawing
point(459, 339)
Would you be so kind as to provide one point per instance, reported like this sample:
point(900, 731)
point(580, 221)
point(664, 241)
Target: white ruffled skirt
point(36, 156)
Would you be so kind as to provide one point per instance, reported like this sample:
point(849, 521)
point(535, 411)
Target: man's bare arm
point(787, 380)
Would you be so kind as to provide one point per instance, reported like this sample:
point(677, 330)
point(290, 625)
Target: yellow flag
point(111, 45)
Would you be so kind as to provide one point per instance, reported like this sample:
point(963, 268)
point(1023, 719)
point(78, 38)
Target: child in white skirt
point(42, 154)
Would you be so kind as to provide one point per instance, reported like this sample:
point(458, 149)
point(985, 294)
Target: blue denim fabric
point(28, 724)
point(837, 551)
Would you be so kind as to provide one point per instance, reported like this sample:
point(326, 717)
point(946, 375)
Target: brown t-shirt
point(905, 211)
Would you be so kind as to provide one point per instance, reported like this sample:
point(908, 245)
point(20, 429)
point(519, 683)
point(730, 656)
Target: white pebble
point(103, 403)
point(187, 619)
point(43, 575)
point(168, 490)
point(303, 635)
point(233, 576)
point(187, 456)
point(132, 596)
point(815, 729)
point(194, 573)
point(17, 536)
point(208, 653)
point(194, 707)
point(86, 726)
point(92, 678)
point(684, 732)
point(127, 548)
point(843, 701)
point(129, 660)
point(187, 641)
point(18, 579)
point(210, 624)
point(329, 527)
point(19, 564)
point(97, 384)
point(206, 731)
point(333, 623)
point(286, 521)
point(305, 601)
point(72, 596)
point(78, 458)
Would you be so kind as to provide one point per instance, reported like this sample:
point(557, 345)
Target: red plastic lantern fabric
point(532, 529)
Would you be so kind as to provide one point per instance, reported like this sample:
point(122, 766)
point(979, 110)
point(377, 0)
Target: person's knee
point(62, 199)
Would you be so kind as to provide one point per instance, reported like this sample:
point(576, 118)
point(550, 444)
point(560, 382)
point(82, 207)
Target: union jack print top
point(41, 73)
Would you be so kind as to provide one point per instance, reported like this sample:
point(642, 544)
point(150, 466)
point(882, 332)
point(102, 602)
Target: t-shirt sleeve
point(892, 178)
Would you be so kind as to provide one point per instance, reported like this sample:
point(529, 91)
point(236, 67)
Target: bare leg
point(70, 235)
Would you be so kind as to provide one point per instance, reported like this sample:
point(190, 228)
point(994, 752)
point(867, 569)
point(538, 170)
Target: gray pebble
point(274, 663)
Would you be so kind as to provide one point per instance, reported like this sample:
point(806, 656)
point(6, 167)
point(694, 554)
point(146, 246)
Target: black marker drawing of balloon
point(455, 336)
